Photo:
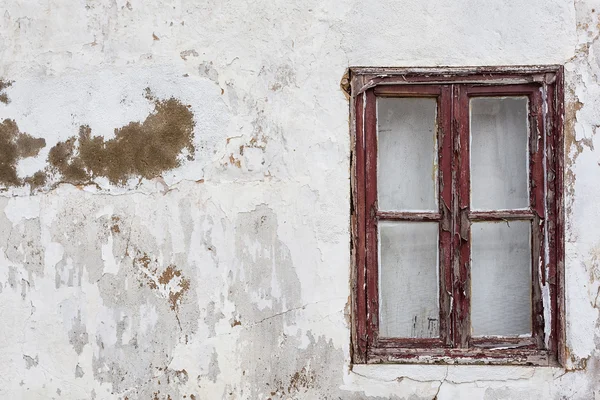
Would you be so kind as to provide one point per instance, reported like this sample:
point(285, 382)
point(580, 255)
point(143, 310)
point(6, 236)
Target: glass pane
point(501, 278)
point(407, 155)
point(499, 162)
point(408, 279)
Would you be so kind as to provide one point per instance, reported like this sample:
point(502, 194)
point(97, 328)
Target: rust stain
point(301, 381)
point(235, 161)
point(115, 227)
point(15, 145)
point(175, 296)
point(345, 84)
point(573, 147)
point(143, 262)
point(257, 141)
point(168, 274)
point(140, 149)
point(3, 85)
point(170, 283)
point(155, 37)
point(571, 109)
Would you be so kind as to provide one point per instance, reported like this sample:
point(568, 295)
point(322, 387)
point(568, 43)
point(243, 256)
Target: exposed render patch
point(140, 149)
point(3, 85)
point(15, 145)
point(187, 53)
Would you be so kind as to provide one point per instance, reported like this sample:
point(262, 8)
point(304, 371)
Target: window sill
point(498, 356)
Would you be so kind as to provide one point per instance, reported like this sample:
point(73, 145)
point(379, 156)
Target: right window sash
point(501, 218)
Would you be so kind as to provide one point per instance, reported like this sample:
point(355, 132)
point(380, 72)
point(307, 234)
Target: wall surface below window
point(174, 193)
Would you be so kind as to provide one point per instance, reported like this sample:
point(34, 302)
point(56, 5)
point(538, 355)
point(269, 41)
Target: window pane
point(499, 162)
point(408, 279)
point(406, 169)
point(501, 278)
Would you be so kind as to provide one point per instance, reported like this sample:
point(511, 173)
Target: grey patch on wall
point(187, 53)
point(275, 364)
point(212, 318)
point(22, 248)
point(81, 236)
point(284, 76)
point(508, 393)
point(262, 357)
point(207, 70)
point(30, 362)
point(141, 354)
point(79, 372)
point(587, 388)
point(213, 367)
point(78, 336)
point(12, 282)
point(167, 384)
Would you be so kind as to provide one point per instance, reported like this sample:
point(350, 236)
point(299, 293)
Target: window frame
point(453, 87)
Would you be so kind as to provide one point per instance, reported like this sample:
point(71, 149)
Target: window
point(457, 215)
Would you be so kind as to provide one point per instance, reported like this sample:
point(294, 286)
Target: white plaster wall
point(258, 223)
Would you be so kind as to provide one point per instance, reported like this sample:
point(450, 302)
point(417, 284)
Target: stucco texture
point(175, 180)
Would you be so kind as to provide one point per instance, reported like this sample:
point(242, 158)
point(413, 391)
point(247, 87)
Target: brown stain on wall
point(140, 149)
point(15, 145)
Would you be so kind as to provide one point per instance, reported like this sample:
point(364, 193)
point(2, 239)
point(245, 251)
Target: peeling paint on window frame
point(452, 87)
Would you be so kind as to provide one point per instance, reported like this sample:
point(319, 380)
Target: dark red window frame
point(453, 87)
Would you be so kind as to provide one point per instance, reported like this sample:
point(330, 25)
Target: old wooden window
point(457, 215)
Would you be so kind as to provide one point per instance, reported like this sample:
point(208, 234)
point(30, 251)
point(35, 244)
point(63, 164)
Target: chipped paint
point(194, 243)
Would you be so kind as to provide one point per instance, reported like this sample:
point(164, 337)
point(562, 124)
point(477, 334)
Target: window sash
point(454, 217)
